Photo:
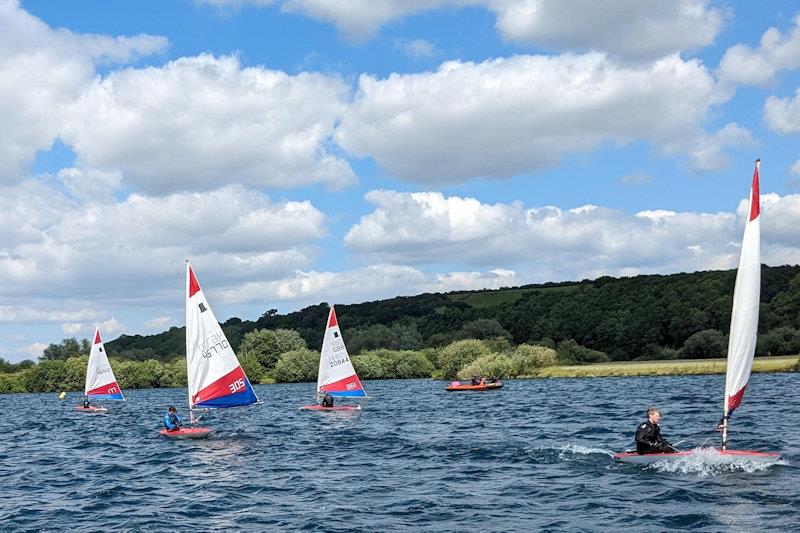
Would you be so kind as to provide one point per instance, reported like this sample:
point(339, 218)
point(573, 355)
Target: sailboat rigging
point(743, 333)
point(101, 384)
point(336, 376)
point(215, 378)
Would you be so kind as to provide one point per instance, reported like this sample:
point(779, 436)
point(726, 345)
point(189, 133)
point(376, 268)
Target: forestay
point(337, 376)
point(101, 383)
point(216, 379)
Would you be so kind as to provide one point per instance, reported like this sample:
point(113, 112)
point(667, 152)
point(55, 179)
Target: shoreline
point(674, 367)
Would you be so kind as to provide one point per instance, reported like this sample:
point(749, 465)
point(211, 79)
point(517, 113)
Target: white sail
point(100, 380)
point(337, 376)
point(216, 379)
point(746, 297)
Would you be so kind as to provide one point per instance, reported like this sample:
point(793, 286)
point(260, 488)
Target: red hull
point(647, 458)
point(334, 408)
point(94, 410)
point(486, 386)
point(187, 433)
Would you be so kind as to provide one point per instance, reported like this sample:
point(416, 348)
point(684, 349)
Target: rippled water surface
point(534, 455)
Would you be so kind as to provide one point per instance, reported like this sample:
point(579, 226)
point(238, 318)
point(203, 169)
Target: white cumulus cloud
point(416, 48)
point(782, 115)
point(33, 314)
point(502, 117)
point(157, 323)
point(379, 280)
point(111, 326)
point(550, 243)
point(42, 72)
point(745, 65)
point(201, 122)
point(35, 350)
point(706, 152)
point(71, 328)
point(638, 29)
point(134, 248)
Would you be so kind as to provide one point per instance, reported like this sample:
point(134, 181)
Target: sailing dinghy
point(336, 376)
point(100, 381)
point(215, 378)
point(741, 343)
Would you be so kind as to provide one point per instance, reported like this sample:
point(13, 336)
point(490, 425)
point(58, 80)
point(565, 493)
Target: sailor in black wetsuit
point(327, 400)
point(648, 435)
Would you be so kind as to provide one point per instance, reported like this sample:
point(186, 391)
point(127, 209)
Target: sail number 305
point(237, 385)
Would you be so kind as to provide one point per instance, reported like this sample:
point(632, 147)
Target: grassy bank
point(666, 368)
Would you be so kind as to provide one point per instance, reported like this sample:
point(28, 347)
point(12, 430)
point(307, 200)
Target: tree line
point(679, 316)
point(281, 355)
point(641, 317)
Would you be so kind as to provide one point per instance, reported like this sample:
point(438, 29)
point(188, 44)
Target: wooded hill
point(645, 317)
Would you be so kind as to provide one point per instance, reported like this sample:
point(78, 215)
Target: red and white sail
point(101, 383)
point(746, 297)
point(337, 376)
point(216, 379)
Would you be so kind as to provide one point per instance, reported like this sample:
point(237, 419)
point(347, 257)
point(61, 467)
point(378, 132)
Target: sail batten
point(101, 384)
point(746, 303)
point(214, 375)
point(337, 376)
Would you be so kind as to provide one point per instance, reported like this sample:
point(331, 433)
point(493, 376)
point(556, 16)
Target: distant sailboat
point(101, 384)
point(336, 376)
point(215, 377)
point(742, 340)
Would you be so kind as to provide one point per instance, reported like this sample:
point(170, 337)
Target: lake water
point(534, 455)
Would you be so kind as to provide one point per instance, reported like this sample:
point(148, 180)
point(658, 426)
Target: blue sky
point(300, 151)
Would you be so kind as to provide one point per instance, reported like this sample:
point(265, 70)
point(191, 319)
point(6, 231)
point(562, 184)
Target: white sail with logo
point(216, 379)
point(337, 376)
point(101, 384)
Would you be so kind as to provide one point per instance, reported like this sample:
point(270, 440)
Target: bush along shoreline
point(281, 356)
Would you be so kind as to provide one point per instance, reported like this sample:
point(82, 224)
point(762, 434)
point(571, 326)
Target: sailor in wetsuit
point(171, 419)
point(327, 400)
point(86, 403)
point(648, 435)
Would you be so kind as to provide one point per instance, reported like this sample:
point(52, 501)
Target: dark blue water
point(534, 455)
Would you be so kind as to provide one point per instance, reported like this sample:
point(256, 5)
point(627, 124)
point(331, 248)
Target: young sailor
point(327, 401)
point(171, 419)
point(86, 403)
point(648, 435)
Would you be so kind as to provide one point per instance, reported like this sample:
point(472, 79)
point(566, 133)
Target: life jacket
point(171, 421)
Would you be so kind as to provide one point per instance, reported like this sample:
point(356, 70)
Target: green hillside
point(637, 317)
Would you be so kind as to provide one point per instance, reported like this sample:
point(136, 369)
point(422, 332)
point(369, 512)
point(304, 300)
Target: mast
point(186, 336)
point(744, 313)
point(725, 418)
